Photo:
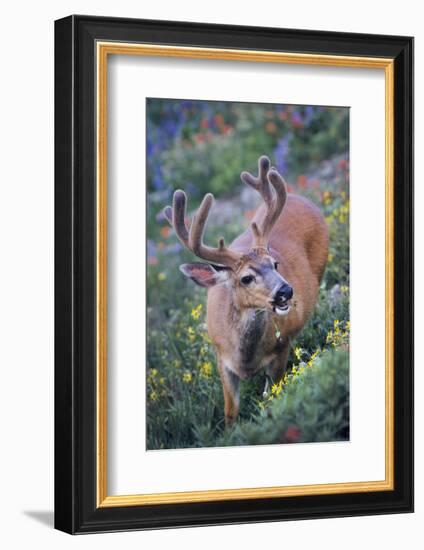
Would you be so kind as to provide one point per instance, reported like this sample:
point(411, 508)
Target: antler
point(192, 238)
point(274, 205)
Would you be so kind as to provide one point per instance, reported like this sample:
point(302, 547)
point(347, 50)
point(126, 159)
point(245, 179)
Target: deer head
point(253, 277)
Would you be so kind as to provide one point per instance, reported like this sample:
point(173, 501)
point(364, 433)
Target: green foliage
point(314, 406)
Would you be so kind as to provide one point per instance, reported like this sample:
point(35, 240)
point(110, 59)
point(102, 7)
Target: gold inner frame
point(103, 50)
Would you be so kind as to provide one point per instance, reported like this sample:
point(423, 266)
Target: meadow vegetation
point(201, 147)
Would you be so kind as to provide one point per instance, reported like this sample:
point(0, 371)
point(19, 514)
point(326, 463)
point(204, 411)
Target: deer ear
point(205, 275)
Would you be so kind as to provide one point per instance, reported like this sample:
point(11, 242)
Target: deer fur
point(284, 252)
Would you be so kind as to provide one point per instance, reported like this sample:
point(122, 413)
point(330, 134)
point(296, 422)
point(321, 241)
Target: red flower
point(219, 120)
point(342, 165)
point(204, 123)
point(271, 127)
point(302, 181)
point(292, 434)
point(165, 231)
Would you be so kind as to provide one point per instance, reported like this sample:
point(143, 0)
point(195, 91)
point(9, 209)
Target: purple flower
point(280, 154)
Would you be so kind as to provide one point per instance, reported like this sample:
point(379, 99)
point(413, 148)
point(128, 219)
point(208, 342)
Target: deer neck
point(251, 328)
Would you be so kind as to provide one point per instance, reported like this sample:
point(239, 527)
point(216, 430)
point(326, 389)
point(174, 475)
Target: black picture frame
point(76, 509)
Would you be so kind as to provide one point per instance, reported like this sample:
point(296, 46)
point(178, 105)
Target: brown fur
point(299, 243)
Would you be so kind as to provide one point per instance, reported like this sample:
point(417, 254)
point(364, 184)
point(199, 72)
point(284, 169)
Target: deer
point(263, 287)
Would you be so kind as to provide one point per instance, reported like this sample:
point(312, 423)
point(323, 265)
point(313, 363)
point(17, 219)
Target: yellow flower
point(195, 312)
point(187, 377)
point(327, 197)
point(344, 289)
point(298, 353)
point(276, 389)
point(206, 369)
point(153, 373)
point(162, 276)
point(314, 356)
point(191, 334)
point(153, 395)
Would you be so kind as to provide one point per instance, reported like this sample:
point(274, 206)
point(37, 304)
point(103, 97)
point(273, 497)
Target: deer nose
point(285, 292)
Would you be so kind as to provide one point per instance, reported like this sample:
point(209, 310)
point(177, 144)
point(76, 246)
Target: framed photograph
point(234, 274)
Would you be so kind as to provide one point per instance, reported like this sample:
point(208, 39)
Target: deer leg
point(230, 387)
point(275, 371)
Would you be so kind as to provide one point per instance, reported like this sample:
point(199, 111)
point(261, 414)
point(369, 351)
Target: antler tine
point(222, 254)
point(176, 216)
point(193, 238)
point(272, 215)
point(260, 183)
point(267, 179)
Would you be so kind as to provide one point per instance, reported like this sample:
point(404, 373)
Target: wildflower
point(302, 181)
point(313, 357)
point(154, 395)
point(298, 353)
point(206, 369)
point(218, 120)
point(342, 165)
point(276, 389)
point(195, 312)
point(296, 120)
point(292, 434)
point(271, 127)
point(165, 231)
point(162, 276)
point(344, 289)
point(326, 197)
point(153, 373)
point(191, 334)
point(282, 115)
point(187, 377)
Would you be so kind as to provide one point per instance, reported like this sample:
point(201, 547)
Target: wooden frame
point(83, 45)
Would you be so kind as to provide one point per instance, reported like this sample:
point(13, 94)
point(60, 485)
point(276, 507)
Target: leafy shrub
point(314, 406)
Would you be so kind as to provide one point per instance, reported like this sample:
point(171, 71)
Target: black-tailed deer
point(263, 287)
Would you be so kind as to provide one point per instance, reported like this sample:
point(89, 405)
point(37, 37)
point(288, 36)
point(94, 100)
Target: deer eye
point(275, 265)
point(246, 280)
